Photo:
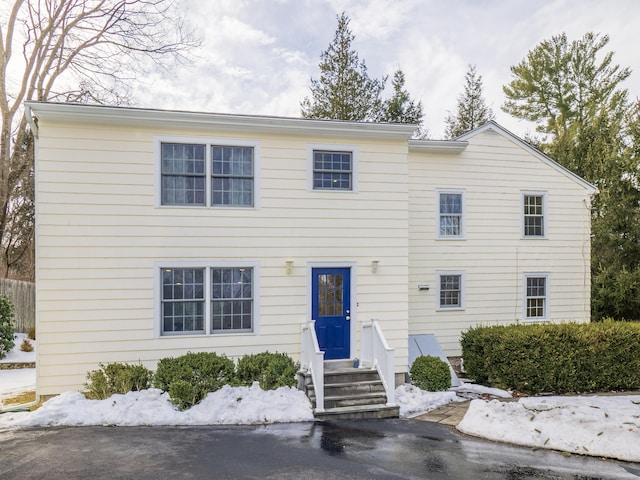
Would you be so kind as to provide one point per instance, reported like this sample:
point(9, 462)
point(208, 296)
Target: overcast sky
point(259, 55)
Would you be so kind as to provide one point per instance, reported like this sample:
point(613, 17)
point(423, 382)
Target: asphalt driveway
point(342, 450)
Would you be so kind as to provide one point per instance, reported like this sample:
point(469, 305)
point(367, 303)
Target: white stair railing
point(376, 353)
point(312, 360)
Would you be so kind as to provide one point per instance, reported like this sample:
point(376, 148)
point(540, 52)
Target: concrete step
point(331, 389)
point(351, 375)
point(354, 400)
point(370, 412)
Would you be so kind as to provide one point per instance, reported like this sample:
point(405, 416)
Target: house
point(164, 232)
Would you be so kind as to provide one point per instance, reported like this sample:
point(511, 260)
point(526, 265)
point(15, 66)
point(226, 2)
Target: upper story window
point(207, 174)
point(183, 174)
point(536, 296)
point(232, 175)
point(332, 170)
point(533, 215)
point(450, 217)
point(206, 300)
point(450, 285)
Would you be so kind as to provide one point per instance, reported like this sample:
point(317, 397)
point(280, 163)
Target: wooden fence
point(23, 296)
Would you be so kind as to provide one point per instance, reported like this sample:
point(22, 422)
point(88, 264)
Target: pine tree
point(472, 111)
point(400, 108)
point(344, 90)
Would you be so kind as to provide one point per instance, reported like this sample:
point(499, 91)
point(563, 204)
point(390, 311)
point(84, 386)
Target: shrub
point(190, 377)
point(7, 332)
point(430, 373)
point(561, 358)
point(272, 370)
point(116, 378)
point(26, 346)
point(31, 333)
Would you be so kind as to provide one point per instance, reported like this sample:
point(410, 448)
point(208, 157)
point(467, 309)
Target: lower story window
point(206, 300)
point(449, 290)
point(536, 297)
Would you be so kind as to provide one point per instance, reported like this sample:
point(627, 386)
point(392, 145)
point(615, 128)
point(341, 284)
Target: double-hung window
point(533, 215)
point(332, 169)
point(450, 290)
point(450, 216)
point(207, 300)
point(536, 296)
point(207, 174)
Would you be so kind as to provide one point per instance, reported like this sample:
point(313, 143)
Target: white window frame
point(208, 143)
point(443, 273)
point(547, 296)
point(331, 147)
point(529, 193)
point(207, 265)
point(453, 191)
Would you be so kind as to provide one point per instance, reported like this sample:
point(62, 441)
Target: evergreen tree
point(472, 111)
point(344, 90)
point(400, 108)
point(582, 111)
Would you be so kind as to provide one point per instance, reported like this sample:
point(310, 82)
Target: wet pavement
point(382, 449)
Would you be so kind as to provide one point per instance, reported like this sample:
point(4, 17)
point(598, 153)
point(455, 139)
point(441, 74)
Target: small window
point(450, 219)
point(332, 170)
point(450, 290)
point(183, 174)
point(232, 176)
point(533, 215)
point(536, 297)
point(183, 300)
point(232, 300)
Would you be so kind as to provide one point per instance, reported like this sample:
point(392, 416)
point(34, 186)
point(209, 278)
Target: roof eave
point(452, 147)
point(184, 119)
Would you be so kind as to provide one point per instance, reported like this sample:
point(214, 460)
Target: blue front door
point(331, 309)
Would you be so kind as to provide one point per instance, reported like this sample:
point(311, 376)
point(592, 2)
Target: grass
point(26, 397)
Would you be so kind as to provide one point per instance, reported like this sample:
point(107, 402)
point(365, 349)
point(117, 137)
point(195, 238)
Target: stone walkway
point(450, 414)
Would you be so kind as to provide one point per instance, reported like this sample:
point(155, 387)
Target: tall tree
point(344, 90)
point(400, 108)
point(68, 50)
point(472, 110)
point(573, 92)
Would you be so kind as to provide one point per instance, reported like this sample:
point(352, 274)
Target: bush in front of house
point(115, 378)
point(430, 373)
point(189, 378)
point(26, 346)
point(271, 370)
point(557, 358)
point(7, 332)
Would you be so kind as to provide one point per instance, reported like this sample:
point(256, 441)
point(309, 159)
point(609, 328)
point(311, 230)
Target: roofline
point(493, 125)
point(438, 146)
point(186, 119)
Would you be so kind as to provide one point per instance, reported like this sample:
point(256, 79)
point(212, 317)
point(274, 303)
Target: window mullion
point(208, 176)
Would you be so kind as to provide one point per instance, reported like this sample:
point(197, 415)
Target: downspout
point(33, 124)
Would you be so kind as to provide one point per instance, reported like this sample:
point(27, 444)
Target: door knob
point(348, 317)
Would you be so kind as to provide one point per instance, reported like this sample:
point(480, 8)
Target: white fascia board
point(100, 114)
point(438, 146)
point(500, 130)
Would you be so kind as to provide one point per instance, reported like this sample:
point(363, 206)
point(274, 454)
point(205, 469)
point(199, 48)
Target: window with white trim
point(450, 217)
point(450, 290)
point(332, 170)
point(536, 296)
point(206, 300)
point(533, 215)
point(207, 174)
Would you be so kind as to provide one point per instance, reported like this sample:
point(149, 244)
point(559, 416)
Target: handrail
point(312, 360)
point(376, 353)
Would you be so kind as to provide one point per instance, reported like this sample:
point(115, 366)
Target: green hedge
point(271, 370)
point(116, 378)
point(557, 358)
point(7, 334)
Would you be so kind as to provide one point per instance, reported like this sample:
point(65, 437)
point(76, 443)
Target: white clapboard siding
point(99, 235)
point(492, 171)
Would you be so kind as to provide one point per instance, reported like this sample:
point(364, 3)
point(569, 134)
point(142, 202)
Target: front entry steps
point(349, 393)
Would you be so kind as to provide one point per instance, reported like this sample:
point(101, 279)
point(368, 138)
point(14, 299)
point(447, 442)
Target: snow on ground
point(607, 426)
point(603, 426)
point(16, 355)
